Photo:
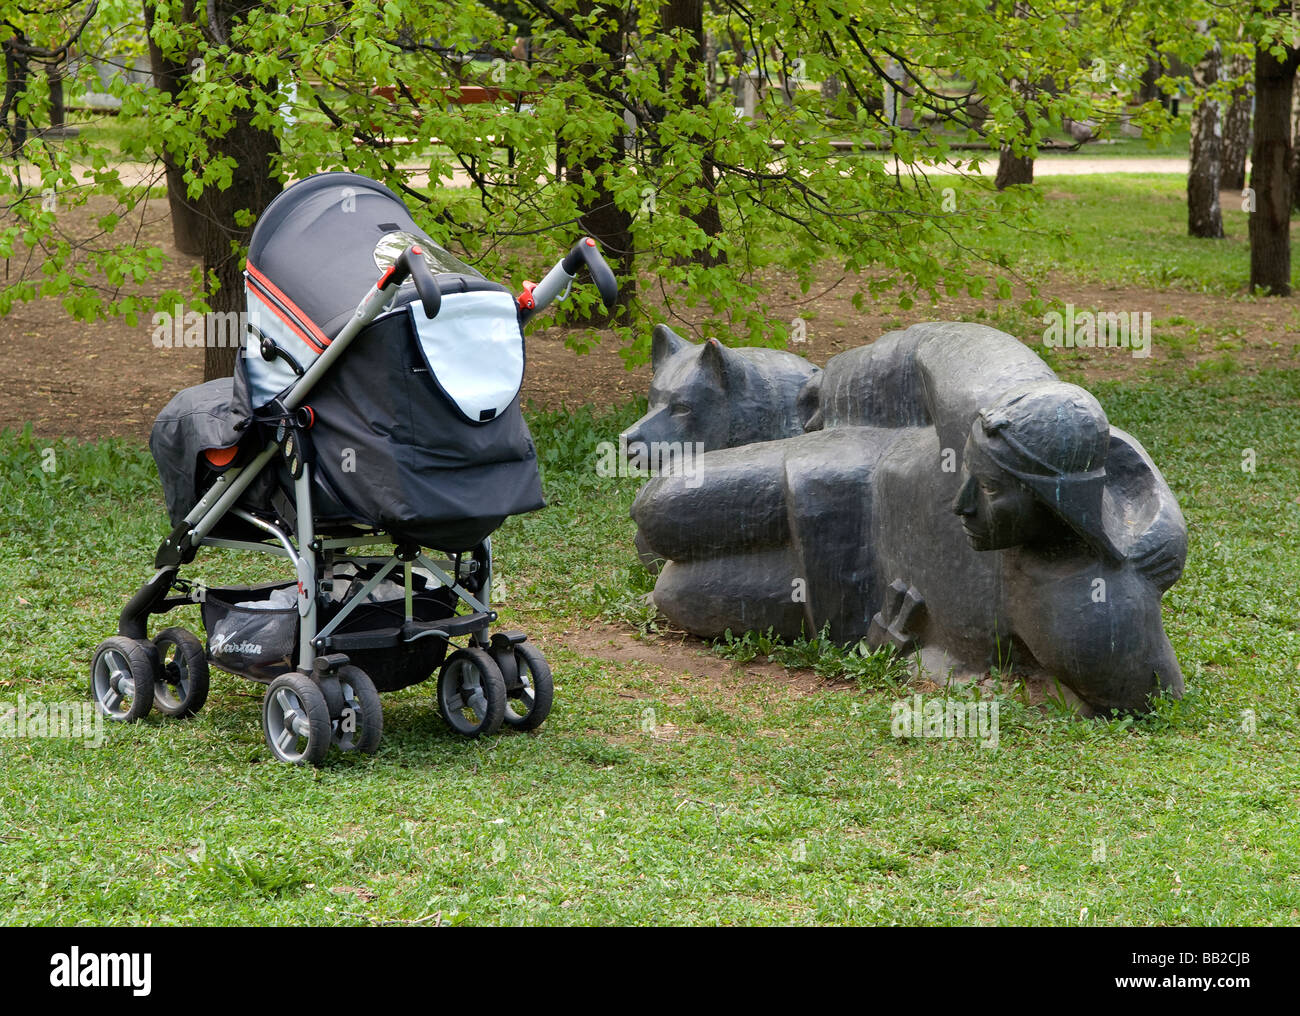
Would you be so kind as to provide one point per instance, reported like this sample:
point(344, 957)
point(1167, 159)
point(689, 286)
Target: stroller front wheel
point(122, 678)
point(472, 693)
point(182, 684)
point(531, 703)
point(296, 720)
point(360, 726)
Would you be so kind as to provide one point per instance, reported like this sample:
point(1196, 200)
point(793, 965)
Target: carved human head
point(1034, 460)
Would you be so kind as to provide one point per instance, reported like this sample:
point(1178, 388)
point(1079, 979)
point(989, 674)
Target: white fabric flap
point(474, 350)
point(268, 378)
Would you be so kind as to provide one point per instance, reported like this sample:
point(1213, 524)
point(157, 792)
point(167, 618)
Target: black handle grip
point(586, 251)
point(411, 263)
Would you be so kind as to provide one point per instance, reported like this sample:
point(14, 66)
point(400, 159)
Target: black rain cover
point(393, 451)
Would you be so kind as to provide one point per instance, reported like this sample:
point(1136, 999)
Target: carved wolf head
point(719, 397)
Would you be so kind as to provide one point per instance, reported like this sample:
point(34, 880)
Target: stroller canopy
point(321, 244)
point(315, 253)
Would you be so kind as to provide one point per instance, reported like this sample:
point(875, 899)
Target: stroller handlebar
point(558, 279)
point(586, 251)
point(411, 264)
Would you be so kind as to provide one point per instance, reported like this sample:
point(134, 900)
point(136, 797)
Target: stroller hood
point(324, 240)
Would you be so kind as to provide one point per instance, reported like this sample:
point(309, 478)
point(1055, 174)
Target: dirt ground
point(688, 659)
point(108, 379)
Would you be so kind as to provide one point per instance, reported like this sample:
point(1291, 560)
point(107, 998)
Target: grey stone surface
point(721, 397)
point(939, 489)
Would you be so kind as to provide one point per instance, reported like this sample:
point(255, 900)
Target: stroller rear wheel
point(296, 720)
point(472, 693)
point(181, 686)
point(360, 724)
point(530, 703)
point(122, 678)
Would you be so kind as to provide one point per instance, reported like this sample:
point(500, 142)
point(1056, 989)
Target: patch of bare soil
point(1188, 328)
point(688, 659)
point(99, 379)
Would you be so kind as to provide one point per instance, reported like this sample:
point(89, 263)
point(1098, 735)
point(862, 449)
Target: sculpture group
point(939, 491)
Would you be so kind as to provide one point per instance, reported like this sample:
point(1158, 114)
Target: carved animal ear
point(664, 342)
point(715, 358)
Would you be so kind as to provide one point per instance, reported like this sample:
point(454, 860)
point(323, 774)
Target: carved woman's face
point(996, 510)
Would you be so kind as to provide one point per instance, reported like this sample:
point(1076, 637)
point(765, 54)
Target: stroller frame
point(326, 697)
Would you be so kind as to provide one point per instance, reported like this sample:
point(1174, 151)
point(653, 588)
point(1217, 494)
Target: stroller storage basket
point(261, 642)
point(252, 630)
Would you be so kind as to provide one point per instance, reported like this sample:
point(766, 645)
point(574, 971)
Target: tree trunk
point(58, 110)
point(1013, 169)
point(1204, 217)
point(603, 219)
point(207, 225)
point(612, 227)
point(1293, 164)
point(1236, 128)
point(1270, 178)
point(688, 15)
point(15, 85)
point(169, 78)
point(1147, 90)
point(252, 186)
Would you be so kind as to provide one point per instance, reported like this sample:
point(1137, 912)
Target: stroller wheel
point(181, 686)
point(530, 703)
point(361, 724)
point(472, 693)
point(296, 720)
point(122, 678)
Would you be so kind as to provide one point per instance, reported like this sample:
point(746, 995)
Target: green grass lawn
point(651, 798)
point(1132, 230)
point(764, 806)
point(1128, 229)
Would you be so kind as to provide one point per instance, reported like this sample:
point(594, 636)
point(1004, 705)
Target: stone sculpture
point(938, 491)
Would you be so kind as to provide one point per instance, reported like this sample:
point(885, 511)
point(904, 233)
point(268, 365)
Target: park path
point(1070, 165)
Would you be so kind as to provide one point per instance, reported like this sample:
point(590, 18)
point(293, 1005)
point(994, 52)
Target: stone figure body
point(947, 494)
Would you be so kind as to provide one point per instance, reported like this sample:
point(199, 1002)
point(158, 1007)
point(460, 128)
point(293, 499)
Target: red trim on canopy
point(317, 337)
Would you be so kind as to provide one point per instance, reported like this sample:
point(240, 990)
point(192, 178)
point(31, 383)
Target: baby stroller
point(349, 428)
